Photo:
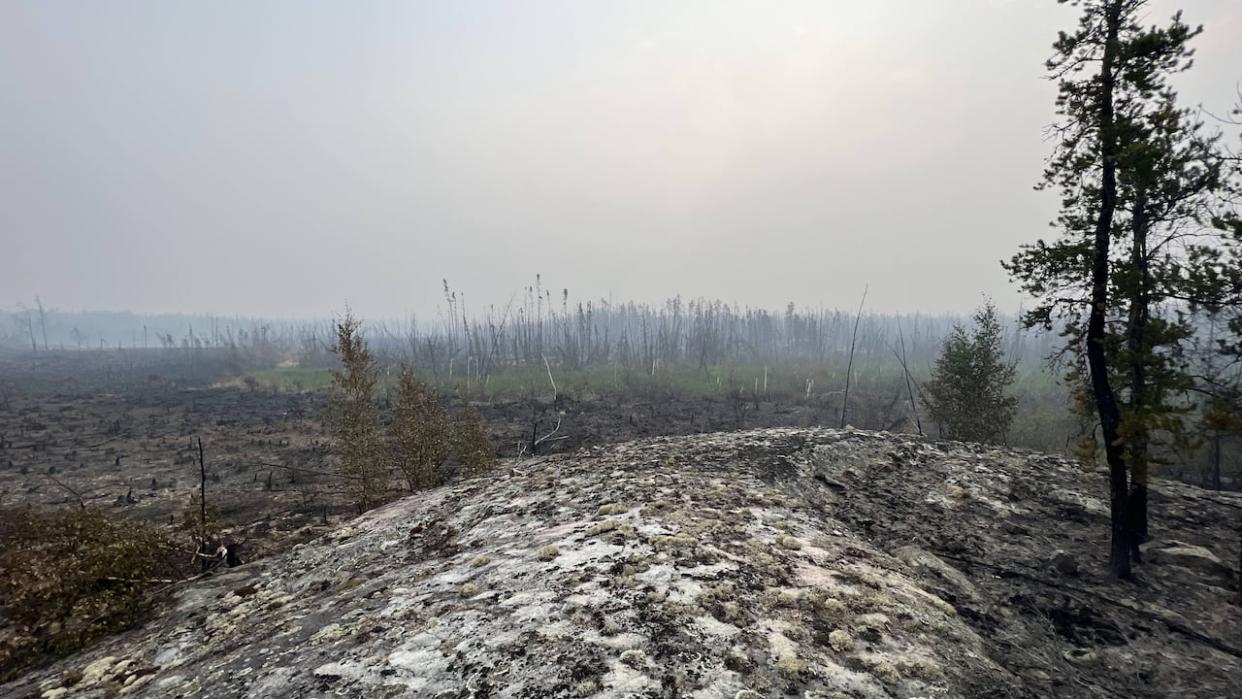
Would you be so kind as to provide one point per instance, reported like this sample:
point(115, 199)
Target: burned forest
point(840, 350)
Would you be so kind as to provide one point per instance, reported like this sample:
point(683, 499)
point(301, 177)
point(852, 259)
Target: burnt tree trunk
point(1216, 461)
point(1137, 429)
point(203, 548)
point(1097, 360)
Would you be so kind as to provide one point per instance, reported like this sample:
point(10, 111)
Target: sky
point(286, 159)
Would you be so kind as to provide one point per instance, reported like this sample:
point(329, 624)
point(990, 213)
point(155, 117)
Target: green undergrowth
point(785, 382)
point(71, 576)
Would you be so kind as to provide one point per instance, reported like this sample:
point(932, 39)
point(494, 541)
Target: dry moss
point(870, 602)
point(826, 608)
point(840, 640)
point(791, 668)
point(612, 529)
point(942, 605)
point(603, 527)
point(788, 598)
point(882, 670)
point(921, 668)
point(732, 613)
point(634, 658)
point(862, 577)
point(786, 541)
point(635, 567)
point(673, 543)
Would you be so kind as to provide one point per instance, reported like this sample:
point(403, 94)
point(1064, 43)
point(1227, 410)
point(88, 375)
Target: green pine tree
point(1136, 174)
point(967, 394)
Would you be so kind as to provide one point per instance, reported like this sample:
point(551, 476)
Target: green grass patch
point(290, 378)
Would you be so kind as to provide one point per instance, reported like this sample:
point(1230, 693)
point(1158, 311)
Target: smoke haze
point(287, 158)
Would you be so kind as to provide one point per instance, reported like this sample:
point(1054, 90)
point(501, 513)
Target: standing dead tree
point(204, 549)
point(905, 368)
point(42, 321)
point(849, 367)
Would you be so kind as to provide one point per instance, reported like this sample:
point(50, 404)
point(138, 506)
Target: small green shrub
point(419, 439)
point(422, 437)
point(471, 445)
point(354, 416)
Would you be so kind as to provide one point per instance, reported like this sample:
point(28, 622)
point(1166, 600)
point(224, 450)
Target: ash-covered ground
point(766, 563)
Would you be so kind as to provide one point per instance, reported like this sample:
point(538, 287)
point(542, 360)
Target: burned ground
point(271, 478)
point(807, 562)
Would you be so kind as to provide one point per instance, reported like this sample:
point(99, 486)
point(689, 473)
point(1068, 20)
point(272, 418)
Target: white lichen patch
point(843, 681)
point(779, 645)
point(622, 680)
point(713, 627)
point(330, 633)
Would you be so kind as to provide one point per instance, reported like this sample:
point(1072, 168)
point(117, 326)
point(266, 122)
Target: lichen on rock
point(725, 574)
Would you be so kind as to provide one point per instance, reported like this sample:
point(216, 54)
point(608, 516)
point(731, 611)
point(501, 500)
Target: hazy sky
point(285, 158)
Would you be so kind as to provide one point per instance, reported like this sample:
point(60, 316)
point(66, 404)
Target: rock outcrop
point(807, 563)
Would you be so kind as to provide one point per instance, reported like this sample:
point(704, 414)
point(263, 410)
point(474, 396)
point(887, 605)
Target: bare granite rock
point(734, 565)
point(1197, 558)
